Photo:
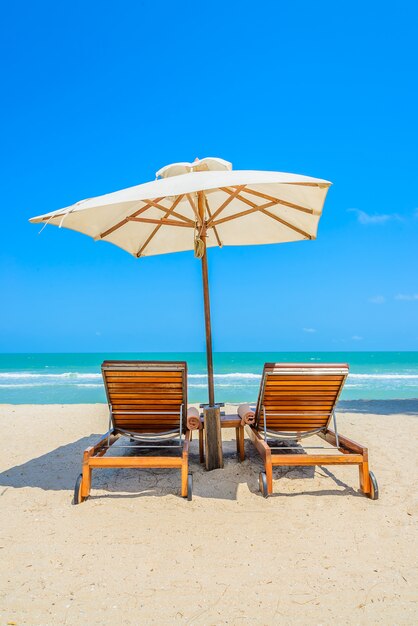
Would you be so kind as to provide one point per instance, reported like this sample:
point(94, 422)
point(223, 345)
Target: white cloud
point(356, 338)
point(377, 218)
point(377, 299)
point(407, 296)
point(309, 330)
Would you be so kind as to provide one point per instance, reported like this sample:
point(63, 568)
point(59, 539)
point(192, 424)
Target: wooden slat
point(268, 402)
point(151, 421)
point(298, 392)
point(317, 459)
point(130, 395)
point(141, 391)
point(309, 419)
point(304, 384)
point(136, 461)
point(135, 393)
point(306, 377)
point(167, 384)
point(150, 418)
point(144, 373)
point(294, 426)
point(133, 412)
point(116, 395)
point(177, 400)
point(296, 408)
point(152, 379)
point(146, 386)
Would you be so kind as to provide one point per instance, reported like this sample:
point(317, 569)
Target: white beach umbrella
point(240, 207)
point(191, 206)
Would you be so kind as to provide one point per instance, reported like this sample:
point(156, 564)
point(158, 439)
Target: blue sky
point(97, 96)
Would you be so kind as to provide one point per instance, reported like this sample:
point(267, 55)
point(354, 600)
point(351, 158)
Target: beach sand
point(316, 552)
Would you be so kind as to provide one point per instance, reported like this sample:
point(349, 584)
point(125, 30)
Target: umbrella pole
point(208, 329)
point(211, 412)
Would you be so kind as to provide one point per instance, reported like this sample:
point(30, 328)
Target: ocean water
point(76, 378)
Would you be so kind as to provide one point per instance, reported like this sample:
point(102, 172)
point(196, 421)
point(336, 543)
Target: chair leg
point(269, 474)
point(185, 464)
point(240, 443)
point(201, 446)
point(364, 476)
point(184, 473)
point(86, 471)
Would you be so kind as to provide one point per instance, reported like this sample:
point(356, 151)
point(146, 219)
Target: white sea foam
point(384, 376)
point(246, 375)
point(64, 375)
point(19, 385)
point(75, 376)
point(23, 385)
point(99, 385)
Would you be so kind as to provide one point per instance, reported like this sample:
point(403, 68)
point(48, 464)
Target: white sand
point(316, 552)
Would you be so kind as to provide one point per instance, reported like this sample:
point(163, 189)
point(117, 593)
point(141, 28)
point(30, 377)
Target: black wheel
point(262, 481)
point(189, 487)
point(77, 490)
point(374, 494)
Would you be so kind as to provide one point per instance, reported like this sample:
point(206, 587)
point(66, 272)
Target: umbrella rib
point(214, 227)
point(171, 211)
point(262, 208)
point(232, 195)
point(163, 222)
point(126, 220)
point(282, 221)
point(279, 201)
point(155, 231)
point(250, 202)
point(255, 207)
point(236, 216)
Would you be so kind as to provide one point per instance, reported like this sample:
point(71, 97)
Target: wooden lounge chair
point(297, 400)
point(147, 404)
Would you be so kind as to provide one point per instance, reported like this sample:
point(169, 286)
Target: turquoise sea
point(76, 378)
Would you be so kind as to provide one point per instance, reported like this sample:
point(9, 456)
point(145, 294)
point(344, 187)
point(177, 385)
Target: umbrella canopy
point(198, 205)
point(240, 207)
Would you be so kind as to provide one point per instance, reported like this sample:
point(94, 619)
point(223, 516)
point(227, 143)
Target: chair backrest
point(298, 399)
point(146, 396)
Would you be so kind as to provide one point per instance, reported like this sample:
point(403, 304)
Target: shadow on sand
point(58, 469)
